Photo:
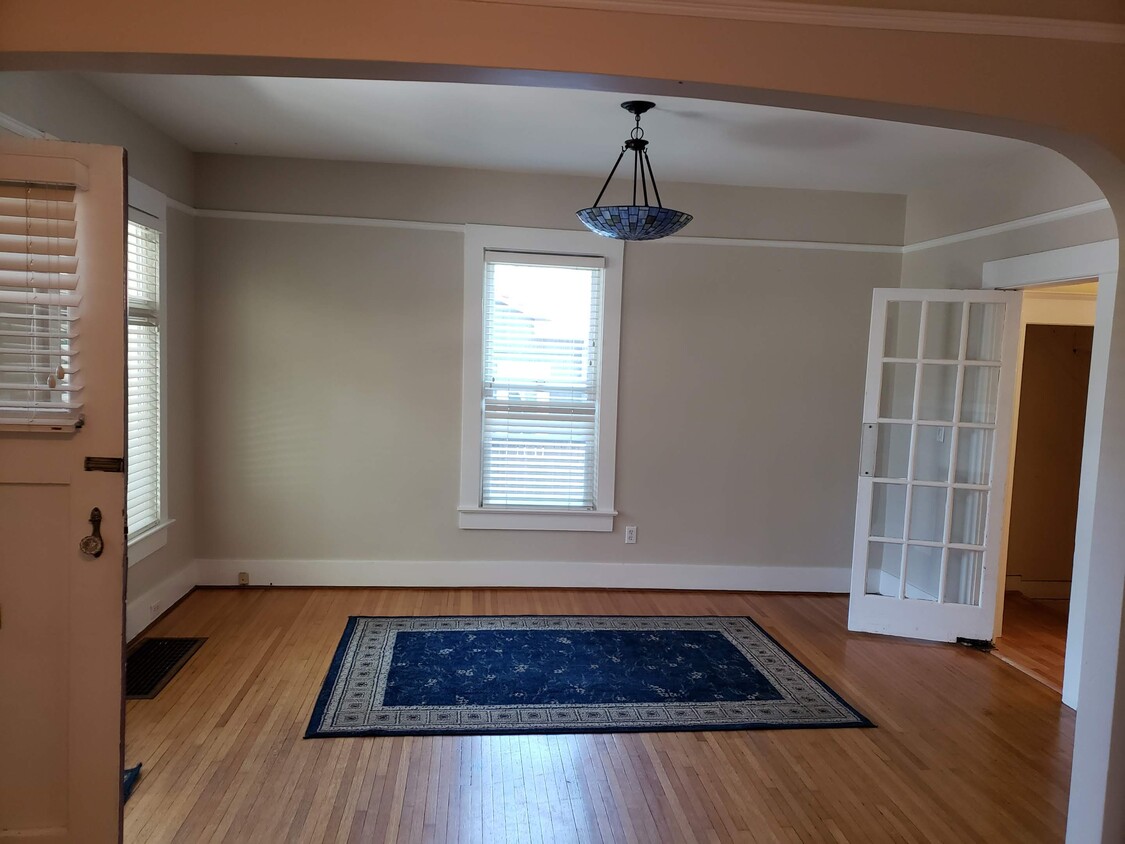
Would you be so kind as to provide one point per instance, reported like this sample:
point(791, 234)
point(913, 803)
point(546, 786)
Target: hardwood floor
point(967, 749)
point(1033, 639)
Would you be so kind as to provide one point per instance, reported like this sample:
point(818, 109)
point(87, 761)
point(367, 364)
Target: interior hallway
point(1034, 638)
point(967, 749)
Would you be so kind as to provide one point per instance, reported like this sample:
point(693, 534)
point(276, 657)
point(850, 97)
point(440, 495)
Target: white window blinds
point(542, 329)
point(143, 483)
point(39, 364)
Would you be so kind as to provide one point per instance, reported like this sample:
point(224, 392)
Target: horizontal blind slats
point(36, 246)
point(53, 298)
point(540, 381)
point(47, 404)
point(55, 195)
point(143, 371)
point(28, 226)
point(35, 209)
point(20, 280)
point(38, 325)
point(20, 262)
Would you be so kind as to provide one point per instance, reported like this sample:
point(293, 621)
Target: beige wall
point(454, 195)
point(1034, 182)
point(329, 415)
point(1030, 182)
point(1048, 454)
point(68, 107)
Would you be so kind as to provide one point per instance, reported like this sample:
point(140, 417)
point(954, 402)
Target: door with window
point(933, 465)
point(62, 402)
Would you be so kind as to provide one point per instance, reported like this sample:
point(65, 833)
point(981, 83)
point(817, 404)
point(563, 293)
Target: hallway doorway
point(1055, 356)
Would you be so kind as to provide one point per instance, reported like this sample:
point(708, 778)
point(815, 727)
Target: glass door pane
point(937, 406)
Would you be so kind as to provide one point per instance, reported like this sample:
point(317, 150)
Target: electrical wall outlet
point(244, 578)
point(630, 534)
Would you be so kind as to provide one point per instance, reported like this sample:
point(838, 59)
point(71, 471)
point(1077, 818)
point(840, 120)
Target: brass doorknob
point(93, 544)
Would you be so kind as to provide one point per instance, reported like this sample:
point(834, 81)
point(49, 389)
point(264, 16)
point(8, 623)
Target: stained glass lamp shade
point(634, 222)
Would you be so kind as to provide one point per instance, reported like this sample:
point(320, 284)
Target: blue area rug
point(479, 675)
point(129, 780)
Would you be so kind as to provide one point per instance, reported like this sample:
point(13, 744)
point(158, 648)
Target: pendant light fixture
point(634, 222)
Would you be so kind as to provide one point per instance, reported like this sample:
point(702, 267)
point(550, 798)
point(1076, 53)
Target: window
point(146, 507)
point(542, 318)
point(143, 262)
point(40, 382)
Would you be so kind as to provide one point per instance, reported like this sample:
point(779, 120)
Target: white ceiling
point(546, 130)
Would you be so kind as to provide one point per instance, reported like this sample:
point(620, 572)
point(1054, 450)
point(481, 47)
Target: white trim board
point(143, 609)
point(321, 219)
point(18, 127)
point(761, 243)
point(1071, 263)
point(1011, 225)
point(686, 240)
point(376, 222)
point(1098, 261)
point(491, 574)
point(857, 17)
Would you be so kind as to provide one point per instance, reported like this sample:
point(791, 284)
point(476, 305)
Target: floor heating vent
point(152, 662)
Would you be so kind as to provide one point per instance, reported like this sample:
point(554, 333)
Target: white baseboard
point(888, 585)
point(1057, 589)
point(479, 573)
point(142, 610)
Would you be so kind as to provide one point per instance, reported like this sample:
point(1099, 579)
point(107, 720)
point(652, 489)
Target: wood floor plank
point(1034, 639)
point(967, 749)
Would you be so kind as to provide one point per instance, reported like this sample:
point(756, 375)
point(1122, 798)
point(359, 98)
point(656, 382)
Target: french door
point(934, 463)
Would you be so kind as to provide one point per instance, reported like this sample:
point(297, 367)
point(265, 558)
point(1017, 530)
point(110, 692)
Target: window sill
point(149, 541)
point(477, 518)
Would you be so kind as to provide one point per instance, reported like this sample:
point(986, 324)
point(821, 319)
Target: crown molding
point(820, 14)
point(1012, 225)
point(21, 129)
point(681, 240)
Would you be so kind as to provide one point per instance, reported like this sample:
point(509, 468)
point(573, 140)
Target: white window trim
point(478, 239)
point(149, 207)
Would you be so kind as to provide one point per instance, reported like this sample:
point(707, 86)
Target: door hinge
point(869, 439)
point(105, 464)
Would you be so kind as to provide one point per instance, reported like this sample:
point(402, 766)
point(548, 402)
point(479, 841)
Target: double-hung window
point(145, 505)
point(542, 318)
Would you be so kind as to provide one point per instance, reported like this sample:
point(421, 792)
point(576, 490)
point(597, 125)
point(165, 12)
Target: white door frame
point(1075, 263)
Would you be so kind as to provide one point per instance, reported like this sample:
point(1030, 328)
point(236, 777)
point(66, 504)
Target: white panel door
point(62, 399)
point(933, 464)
